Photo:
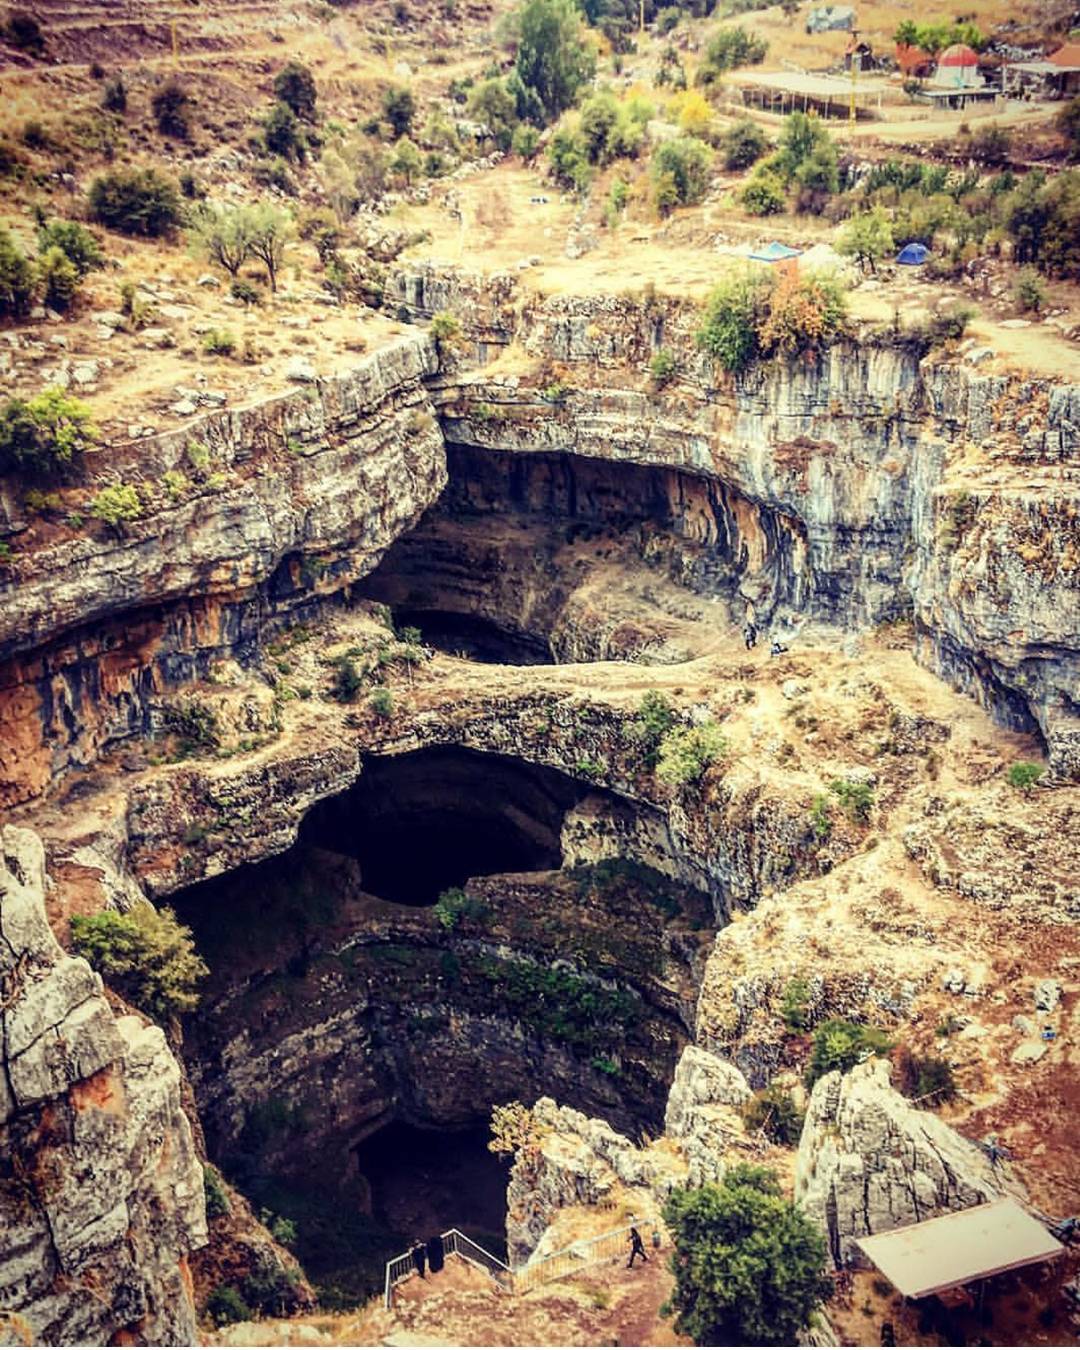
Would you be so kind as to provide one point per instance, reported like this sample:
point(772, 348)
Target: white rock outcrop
point(101, 1191)
point(869, 1161)
point(702, 1111)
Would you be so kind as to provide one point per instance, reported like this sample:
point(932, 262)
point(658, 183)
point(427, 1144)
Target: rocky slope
point(101, 1191)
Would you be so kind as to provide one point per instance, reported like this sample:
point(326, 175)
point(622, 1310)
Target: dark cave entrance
point(475, 638)
point(422, 1182)
point(421, 823)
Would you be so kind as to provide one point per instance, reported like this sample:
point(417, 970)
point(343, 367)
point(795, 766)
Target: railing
point(578, 1256)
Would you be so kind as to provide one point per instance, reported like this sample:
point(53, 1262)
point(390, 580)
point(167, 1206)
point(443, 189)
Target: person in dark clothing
point(750, 635)
point(778, 648)
point(435, 1254)
point(637, 1247)
point(419, 1258)
point(888, 1334)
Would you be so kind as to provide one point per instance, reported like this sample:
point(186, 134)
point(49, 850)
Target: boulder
point(869, 1161)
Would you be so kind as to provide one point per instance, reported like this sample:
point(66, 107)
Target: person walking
point(750, 635)
point(637, 1247)
point(419, 1258)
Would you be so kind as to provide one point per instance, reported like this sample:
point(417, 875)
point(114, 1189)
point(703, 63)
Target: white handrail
point(580, 1254)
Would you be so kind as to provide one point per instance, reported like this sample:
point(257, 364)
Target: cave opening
point(475, 638)
point(423, 1181)
point(423, 823)
point(349, 1047)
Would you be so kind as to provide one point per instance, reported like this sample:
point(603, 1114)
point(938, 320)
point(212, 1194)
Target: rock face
point(285, 503)
point(578, 1162)
point(700, 1111)
point(869, 1161)
point(101, 1191)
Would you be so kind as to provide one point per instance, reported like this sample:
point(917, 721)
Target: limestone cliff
point(869, 1161)
point(101, 1191)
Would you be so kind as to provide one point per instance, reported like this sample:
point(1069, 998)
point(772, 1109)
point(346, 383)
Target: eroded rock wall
point(298, 497)
point(101, 1191)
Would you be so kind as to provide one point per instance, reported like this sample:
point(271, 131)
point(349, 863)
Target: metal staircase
point(570, 1260)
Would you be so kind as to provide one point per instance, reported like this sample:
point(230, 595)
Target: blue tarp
point(775, 252)
point(913, 254)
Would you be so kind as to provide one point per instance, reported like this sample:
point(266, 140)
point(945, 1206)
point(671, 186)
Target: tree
point(17, 279)
point(294, 86)
point(552, 57)
point(281, 131)
point(803, 137)
point(731, 47)
point(272, 229)
point(687, 160)
point(223, 234)
point(748, 1264)
point(492, 104)
point(23, 30)
point(841, 1045)
point(44, 436)
point(867, 238)
point(146, 955)
point(907, 34)
point(114, 96)
point(399, 109)
point(728, 329)
point(170, 106)
point(407, 162)
point(136, 201)
point(743, 145)
point(59, 278)
point(1068, 120)
point(686, 752)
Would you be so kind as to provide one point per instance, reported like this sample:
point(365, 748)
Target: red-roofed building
point(958, 68)
point(1055, 76)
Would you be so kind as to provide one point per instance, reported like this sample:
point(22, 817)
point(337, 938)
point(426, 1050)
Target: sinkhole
point(352, 1040)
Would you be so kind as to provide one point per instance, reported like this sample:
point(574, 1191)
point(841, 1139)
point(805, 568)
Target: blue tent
point(913, 254)
point(775, 252)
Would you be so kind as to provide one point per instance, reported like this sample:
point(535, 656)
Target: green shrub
point(399, 109)
point(23, 30)
point(76, 243)
point(347, 680)
point(774, 1112)
point(382, 702)
point(170, 104)
point(146, 955)
point(44, 436)
point(445, 329)
point(857, 799)
point(59, 279)
point(743, 145)
point(732, 314)
point(281, 132)
point(655, 718)
point(731, 47)
point(1029, 291)
point(795, 1005)
point(219, 342)
point(763, 195)
point(294, 85)
point(680, 169)
point(245, 291)
point(686, 752)
point(841, 1045)
point(17, 279)
point(820, 818)
point(114, 96)
point(195, 724)
point(663, 368)
point(226, 1306)
point(117, 506)
point(748, 1263)
point(454, 905)
point(136, 201)
point(924, 1078)
point(553, 62)
point(217, 1197)
point(1023, 775)
point(525, 141)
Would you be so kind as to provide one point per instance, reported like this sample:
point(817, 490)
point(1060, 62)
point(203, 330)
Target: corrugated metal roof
point(969, 1244)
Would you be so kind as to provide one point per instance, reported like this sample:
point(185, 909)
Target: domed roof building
point(958, 67)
